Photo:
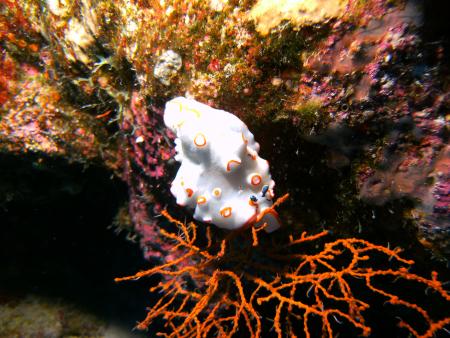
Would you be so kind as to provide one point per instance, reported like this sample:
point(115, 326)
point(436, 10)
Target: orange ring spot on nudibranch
point(217, 192)
point(231, 162)
point(244, 139)
point(195, 111)
point(189, 192)
point(255, 179)
point(177, 104)
point(253, 157)
point(201, 200)
point(225, 212)
point(253, 204)
point(252, 153)
point(200, 140)
point(179, 124)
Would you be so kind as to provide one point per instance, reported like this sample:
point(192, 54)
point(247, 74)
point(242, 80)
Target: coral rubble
point(35, 316)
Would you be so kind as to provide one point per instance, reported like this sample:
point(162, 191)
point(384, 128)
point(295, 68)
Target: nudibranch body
point(221, 175)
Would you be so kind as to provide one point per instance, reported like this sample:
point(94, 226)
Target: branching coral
point(255, 283)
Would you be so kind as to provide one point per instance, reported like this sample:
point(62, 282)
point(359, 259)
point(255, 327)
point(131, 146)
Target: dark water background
point(55, 240)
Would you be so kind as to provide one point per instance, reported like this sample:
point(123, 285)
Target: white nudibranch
point(221, 175)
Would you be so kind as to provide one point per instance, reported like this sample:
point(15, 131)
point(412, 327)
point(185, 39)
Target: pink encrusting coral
point(7, 76)
point(144, 158)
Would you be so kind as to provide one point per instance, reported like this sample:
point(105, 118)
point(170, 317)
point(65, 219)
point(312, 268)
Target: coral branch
point(249, 285)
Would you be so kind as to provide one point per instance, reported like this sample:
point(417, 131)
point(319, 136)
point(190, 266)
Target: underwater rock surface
point(349, 100)
point(365, 81)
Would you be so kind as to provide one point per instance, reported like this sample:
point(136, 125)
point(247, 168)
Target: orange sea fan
point(247, 284)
